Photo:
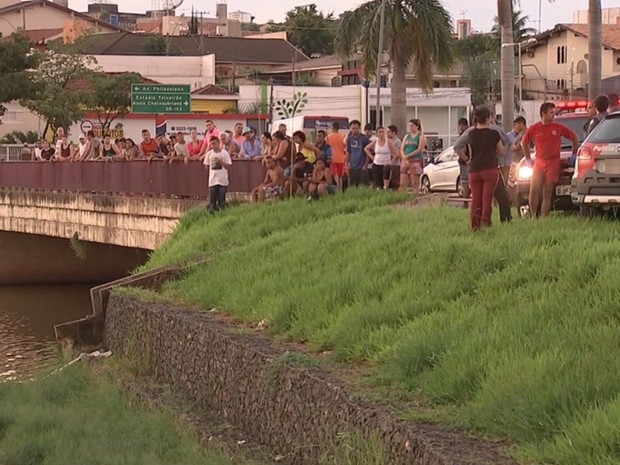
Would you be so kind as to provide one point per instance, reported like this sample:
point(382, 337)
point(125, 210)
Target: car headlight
point(525, 173)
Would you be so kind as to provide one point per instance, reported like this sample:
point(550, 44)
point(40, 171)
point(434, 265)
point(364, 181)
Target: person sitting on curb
point(273, 184)
point(322, 181)
point(298, 181)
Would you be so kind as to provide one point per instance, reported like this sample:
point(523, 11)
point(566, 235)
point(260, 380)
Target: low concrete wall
point(291, 408)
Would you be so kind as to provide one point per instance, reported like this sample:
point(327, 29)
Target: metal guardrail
point(156, 178)
point(11, 152)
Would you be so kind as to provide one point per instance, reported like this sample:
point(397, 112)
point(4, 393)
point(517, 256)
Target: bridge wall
point(32, 259)
point(128, 221)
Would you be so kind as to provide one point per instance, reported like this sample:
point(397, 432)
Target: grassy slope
point(512, 331)
point(78, 418)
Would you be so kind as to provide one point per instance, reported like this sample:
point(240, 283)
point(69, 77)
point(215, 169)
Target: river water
point(28, 314)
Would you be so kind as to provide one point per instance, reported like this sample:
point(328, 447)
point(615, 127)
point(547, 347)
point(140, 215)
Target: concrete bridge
point(96, 221)
point(130, 204)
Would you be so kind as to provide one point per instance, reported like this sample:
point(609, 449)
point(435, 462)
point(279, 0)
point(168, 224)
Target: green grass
point(511, 331)
point(76, 417)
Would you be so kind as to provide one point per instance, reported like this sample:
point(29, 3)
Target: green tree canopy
point(309, 29)
point(520, 29)
point(56, 98)
point(110, 95)
point(15, 61)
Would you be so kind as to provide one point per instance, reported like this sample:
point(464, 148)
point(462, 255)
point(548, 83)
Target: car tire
point(459, 187)
point(425, 185)
point(589, 212)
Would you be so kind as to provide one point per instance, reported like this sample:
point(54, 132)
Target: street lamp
point(520, 45)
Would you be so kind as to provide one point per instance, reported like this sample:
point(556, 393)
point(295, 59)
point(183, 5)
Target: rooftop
point(611, 33)
point(227, 49)
point(21, 5)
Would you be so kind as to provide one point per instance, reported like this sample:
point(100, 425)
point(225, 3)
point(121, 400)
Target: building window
point(436, 84)
point(350, 79)
point(453, 84)
point(561, 55)
point(561, 84)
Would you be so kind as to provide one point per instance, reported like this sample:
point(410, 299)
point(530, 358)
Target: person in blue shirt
point(325, 150)
point(250, 147)
point(357, 161)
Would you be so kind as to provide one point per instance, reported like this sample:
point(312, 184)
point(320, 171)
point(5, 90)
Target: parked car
point(523, 174)
point(596, 181)
point(442, 174)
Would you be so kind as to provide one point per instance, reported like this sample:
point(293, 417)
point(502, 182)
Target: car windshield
point(576, 125)
point(608, 132)
point(447, 155)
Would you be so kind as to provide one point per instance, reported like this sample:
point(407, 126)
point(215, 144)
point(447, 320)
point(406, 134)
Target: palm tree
point(520, 29)
point(595, 45)
point(507, 60)
point(415, 32)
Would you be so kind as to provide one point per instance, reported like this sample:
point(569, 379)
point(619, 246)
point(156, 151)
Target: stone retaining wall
point(294, 409)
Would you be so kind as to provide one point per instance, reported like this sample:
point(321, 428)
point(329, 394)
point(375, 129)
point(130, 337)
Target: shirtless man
point(273, 184)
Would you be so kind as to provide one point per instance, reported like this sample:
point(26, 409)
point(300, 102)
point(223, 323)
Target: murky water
point(28, 314)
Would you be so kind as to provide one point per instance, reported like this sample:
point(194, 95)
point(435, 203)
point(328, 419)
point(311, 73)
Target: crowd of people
point(335, 160)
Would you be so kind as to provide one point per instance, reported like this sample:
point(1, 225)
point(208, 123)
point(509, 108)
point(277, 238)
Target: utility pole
point(572, 74)
point(293, 74)
point(380, 63)
point(271, 104)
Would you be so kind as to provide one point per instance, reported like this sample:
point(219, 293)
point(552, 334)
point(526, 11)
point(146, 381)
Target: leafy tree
point(417, 32)
point(15, 61)
point(110, 96)
point(155, 44)
point(309, 29)
point(476, 53)
point(57, 97)
point(193, 24)
point(251, 27)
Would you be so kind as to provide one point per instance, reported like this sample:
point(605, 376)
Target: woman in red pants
point(484, 144)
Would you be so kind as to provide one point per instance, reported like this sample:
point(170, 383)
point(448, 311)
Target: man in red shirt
point(547, 136)
point(149, 147)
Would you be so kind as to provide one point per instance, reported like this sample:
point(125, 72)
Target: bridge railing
point(137, 177)
point(10, 152)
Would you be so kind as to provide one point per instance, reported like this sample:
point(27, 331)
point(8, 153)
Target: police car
point(596, 181)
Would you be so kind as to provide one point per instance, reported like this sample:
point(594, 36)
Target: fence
point(11, 152)
point(156, 178)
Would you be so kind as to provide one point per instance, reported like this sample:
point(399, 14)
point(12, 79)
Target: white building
point(439, 110)
point(197, 71)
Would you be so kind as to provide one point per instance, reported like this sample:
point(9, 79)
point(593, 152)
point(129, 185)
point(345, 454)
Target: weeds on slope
point(512, 331)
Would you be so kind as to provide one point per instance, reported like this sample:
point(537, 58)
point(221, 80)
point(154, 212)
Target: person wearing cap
point(81, 147)
point(250, 147)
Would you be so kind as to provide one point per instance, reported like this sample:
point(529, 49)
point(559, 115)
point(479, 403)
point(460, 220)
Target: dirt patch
point(429, 200)
point(276, 397)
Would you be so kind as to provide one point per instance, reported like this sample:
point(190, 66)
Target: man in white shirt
point(217, 161)
point(81, 147)
point(180, 149)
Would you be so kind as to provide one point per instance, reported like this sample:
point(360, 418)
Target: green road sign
point(160, 98)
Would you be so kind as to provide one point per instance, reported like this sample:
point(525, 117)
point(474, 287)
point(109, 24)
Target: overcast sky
point(481, 12)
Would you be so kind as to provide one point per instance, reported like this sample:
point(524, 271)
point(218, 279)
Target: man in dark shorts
point(547, 136)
